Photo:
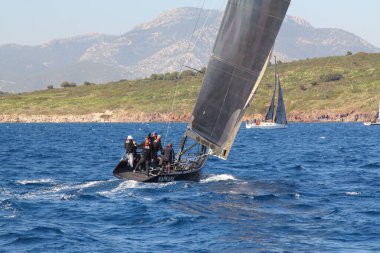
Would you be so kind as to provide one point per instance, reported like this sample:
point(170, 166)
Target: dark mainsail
point(241, 51)
point(280, 112)
point(270, 113)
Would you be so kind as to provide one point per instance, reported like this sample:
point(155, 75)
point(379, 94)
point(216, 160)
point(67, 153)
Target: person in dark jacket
point(151, 137)
point(130, 149)
point(157, 147)
point(168, 157)
point(146, 155)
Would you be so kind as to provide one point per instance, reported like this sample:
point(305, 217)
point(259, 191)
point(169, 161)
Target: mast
point(270, 113)
point(235, 69)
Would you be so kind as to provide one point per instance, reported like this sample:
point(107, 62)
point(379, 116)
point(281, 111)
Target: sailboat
point(376, 120)
point(272, 120)
point(235, 69)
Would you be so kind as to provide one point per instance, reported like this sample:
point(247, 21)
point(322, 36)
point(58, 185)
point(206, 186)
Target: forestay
point(245, 39)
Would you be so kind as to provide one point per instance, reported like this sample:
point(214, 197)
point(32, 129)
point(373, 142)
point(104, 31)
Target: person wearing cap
point(130, 149)
point(157, 146)
point(151, 137)
point(168, 157)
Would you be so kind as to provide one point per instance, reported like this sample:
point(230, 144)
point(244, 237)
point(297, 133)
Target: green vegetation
point(342, 84)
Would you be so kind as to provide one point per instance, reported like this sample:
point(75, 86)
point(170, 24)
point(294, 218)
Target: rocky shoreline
point(125, 116)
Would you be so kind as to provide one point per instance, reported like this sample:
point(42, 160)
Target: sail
point(280, 112)
point(244, 41)
point(270, 113)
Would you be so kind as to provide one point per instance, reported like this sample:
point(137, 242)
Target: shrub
point(314, 83)
point(153, 76)
point(68, 84)
point(349, 53)
point(171, 76)
point(87, 83)
point(331, 77)
point(187, 73)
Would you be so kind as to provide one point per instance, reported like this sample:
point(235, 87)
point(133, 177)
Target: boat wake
point(36, 181)
point(128, 185)
point(217, 178)
point(50, 189)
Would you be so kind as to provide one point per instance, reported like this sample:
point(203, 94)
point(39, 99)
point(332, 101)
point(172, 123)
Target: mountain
point(165, 44)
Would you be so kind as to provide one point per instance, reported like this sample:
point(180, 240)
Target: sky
point(34, 22)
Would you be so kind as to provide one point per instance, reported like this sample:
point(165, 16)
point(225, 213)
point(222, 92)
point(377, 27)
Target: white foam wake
point(36, 181)
point(123, 186)
point(353, 193)
point(127, 185)
point(217, 178)
point(60, 190)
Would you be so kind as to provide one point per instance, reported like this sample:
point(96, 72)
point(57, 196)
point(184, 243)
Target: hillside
point(158, 46)
point(308, 96)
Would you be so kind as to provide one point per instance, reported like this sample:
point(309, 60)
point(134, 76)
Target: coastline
point(130, 117)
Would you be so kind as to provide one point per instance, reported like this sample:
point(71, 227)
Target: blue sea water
point(308, 188)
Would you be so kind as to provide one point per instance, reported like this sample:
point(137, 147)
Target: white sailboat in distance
point(272, 120)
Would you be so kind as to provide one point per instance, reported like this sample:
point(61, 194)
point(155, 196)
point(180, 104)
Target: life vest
point(147, 144)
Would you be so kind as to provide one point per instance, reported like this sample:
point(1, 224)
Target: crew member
point(157, 146)
point(130, 149)
point(168, 157)
point(146, 155)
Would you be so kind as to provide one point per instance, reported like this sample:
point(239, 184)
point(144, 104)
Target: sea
point(313, 187)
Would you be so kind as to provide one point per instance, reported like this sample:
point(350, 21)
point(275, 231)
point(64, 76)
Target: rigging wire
point(189, 48)
point(181, 67)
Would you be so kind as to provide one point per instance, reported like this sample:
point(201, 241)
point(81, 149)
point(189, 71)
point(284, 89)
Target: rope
point(189, 48)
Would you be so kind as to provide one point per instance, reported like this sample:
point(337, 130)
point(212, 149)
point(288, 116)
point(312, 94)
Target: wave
point(353, 193)
point(265, 197)
point(62, 191)
point(8, 209)
point(297, 167)
point(46, 230)
point(36, 181)
point(371, 165)
point(372, 213)
point(217, 178)
point(127, 185)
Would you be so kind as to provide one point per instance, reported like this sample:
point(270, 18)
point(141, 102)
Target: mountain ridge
point(158, 46)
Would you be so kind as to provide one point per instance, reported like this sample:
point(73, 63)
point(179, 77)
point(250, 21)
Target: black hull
point(191, 171)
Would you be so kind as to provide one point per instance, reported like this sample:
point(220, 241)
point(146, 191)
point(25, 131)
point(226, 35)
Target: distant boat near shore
point(376, 120)
point(272, 120)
